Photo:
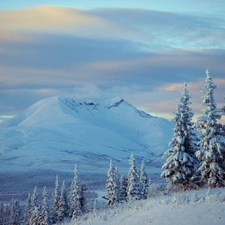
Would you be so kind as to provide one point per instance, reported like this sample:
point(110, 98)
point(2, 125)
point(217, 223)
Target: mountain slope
point(58, 132)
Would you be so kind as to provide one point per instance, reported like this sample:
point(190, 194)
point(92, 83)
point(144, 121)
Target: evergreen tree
point(112, 185)
point(144, 182)
point(6, 217)
point(44, 217)
point(123, 189)
point(14, 216)
point(83, 199)
point(180, 168)
point(133, 186)
point(35, 209)
point(63, 204)
point(211, 154)
point(1, 213)
point(55, 206)
point(75, 196)
point(28, 212)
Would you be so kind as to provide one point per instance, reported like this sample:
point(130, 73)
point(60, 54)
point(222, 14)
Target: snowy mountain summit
point(57, 132)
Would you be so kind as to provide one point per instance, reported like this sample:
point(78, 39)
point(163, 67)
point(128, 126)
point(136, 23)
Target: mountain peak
point(63, 130)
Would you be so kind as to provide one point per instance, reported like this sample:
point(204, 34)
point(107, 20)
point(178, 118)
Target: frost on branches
point(133, 186)
point(112, 186)
point(181, 166)
point(211, 155)
point(75, 196)
point(144, 182)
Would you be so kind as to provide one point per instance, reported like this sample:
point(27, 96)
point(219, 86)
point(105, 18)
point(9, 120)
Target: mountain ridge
point(63, 131)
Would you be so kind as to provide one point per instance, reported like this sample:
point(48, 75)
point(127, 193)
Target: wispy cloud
point(141, 55)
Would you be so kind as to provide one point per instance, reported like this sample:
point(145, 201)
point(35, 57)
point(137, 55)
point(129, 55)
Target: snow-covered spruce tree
point(14, 216)
point(44, 217)
point(144, 182)
point(112, 185)
point(133, 186)
point(181, 166)
point(6, 214)
point(123, 189)
point(55, 205)
point(83, 199)
point(75, 196)
point(63, 204)
point(211, 154)
point(28, 209)
point(1, 213)
point(35, 209)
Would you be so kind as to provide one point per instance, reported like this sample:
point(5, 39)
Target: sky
point(142, 51)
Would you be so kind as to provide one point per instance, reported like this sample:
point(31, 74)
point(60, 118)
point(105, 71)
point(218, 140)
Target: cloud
point(151, 29)
point(143, 56)
point(18, 24)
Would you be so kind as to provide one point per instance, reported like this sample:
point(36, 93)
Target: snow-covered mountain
point(57, 132)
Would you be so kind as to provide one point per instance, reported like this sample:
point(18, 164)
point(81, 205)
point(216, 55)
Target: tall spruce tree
point(44, 217)
point(35, 208)
point(63, 204)
point(14, 216)
point(55, 205)
point(211, 154)
point(180, 168)
point(1, 213)
point(75, 196)
point(144, 182)
point(28, 210)
point(123, 189)
point(112, 185)
point(133, 186)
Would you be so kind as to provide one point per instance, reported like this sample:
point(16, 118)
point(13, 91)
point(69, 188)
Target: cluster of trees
point(190, 161)
point(40, 212)
point(133, 187)
point(193, 160)
point(63, 206)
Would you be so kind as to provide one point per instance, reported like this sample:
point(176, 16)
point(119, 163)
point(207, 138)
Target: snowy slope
point(187, 208)
point(58, 132)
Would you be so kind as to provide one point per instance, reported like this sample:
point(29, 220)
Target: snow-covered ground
point(185, 208)
point(56, 133)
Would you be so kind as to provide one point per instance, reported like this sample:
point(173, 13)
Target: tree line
point(42, 211)
point(65, 206)
point(133, 187)
point(191, 160)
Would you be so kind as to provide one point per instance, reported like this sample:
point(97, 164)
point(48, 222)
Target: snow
point(60, 132)
point(192, 207)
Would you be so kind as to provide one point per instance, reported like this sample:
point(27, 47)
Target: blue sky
point(141, 50)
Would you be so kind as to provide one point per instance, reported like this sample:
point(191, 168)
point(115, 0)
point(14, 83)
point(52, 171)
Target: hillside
point(55, 133)
point(192, 207)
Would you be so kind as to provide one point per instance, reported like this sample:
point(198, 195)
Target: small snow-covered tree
point(1, 213)
point(28, 210)
point(180, 168)
point(123, 189)
point(112, 185)
point(14, 217)
point(55, 205)
point(83, 199)
point(75, 196)
point(35, 209)
point(6, 214)
point(133, 186)
point(44, 217)
point(63, 204)
point(144, 182)
point(212, 153)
